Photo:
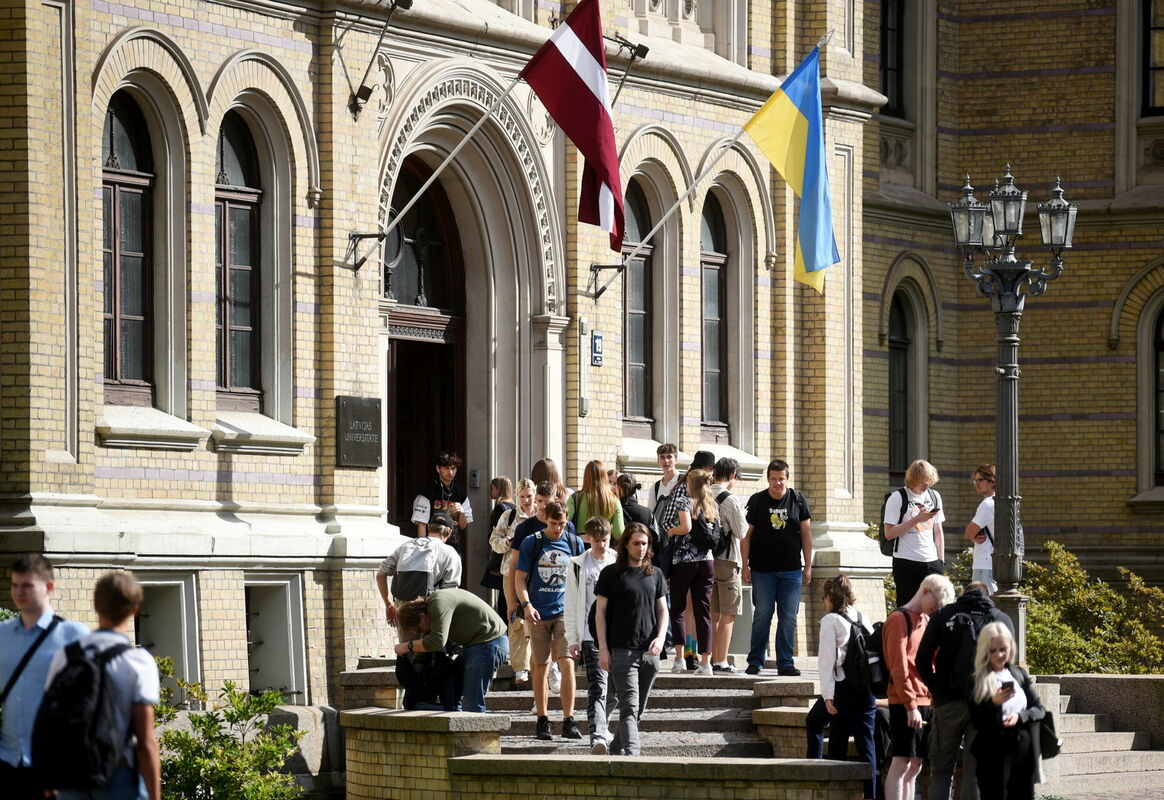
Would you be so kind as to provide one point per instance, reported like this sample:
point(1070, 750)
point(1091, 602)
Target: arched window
point(1158, 396)
point(127, 253)
point(638, 399)
point(237, 198)
point(713, 260)
point(900, 413)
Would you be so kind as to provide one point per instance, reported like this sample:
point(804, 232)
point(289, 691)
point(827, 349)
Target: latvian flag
point(569, 75)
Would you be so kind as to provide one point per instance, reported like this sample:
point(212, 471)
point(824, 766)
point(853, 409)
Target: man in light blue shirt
point(32, 588)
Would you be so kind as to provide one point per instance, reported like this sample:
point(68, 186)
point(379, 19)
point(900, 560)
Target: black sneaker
point(726, 669)
point(569, 729)
point(752, 670)
point(789, 672)
point(691, 665)
point(543, 731)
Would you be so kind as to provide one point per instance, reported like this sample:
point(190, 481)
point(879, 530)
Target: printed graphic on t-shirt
point(917, 507)
point(552, 570)
point(778, 517)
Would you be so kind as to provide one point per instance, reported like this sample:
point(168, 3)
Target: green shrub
point(230, 751)
point(7, 613)
point(1079, 624)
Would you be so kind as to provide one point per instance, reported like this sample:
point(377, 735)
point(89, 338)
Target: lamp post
point(991, 229)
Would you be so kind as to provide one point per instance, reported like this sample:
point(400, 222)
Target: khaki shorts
point(727, 589)
point(547, 637)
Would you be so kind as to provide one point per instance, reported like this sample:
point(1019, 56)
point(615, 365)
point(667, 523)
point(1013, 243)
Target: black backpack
point(725, 541)
point(961, 630)
point(75, 743)
point(889, 546)
point(863, 662)
point(706, 534)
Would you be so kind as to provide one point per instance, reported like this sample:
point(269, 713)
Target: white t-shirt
point(662, 489)
point(1018, 701)
point(917, 543)
point(984, 518)
point(133, 674)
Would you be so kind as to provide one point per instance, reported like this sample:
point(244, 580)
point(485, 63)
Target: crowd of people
point(597, 578)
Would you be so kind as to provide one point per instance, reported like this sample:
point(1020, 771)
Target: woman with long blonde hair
point(1003, 704)
point(692, 570)
point(596, 499)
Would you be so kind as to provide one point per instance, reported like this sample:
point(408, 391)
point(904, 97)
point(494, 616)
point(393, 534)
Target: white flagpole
point(452, 154)
point(694, 184)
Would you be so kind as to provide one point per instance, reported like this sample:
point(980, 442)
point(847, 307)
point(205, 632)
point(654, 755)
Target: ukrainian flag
point(789, 132)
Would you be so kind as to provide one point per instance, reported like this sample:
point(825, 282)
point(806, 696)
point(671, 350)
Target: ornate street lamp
point(991, 229)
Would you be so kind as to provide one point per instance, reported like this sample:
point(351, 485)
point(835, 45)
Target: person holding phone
point(1003, 704)
point(921, 550)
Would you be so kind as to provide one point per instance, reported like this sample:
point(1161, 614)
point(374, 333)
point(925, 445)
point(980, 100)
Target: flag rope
point(449, 158)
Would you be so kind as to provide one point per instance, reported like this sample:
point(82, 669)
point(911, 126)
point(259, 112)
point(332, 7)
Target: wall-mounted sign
point(358, 439)
point(596, 349)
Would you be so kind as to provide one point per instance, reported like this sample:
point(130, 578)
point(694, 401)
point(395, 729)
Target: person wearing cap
point(420, 566)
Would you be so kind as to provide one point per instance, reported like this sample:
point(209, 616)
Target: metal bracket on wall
point(595, 269)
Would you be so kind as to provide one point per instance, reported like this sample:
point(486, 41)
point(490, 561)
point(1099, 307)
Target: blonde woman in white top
point(846, 705)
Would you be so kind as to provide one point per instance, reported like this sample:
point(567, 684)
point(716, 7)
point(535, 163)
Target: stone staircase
point(687, 716)
point(742, 716)
point(1097, 761)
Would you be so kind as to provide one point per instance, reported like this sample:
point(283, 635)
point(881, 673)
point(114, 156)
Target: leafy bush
point(229, 751)
point(1079, 624)
point(7, 613)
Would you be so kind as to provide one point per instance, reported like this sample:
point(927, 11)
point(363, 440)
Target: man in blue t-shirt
point(540, 584)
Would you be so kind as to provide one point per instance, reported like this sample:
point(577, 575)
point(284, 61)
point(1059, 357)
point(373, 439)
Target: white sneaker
point(555, 679)
point(521, 676)
point(704, 670)
point(599, 748)
point(678, 668)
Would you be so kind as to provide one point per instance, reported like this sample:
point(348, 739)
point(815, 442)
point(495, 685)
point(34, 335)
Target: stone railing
point(429, 755)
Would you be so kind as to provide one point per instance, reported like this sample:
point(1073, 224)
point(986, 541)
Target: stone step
point(1064, 703)
point(1106, 742)
point(1143, 784)
point(728, 744)
point(522, 701)
point(1090, 763)
point(655, 720)
point(1082, 723)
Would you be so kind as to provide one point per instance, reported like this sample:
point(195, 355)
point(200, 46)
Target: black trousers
point(908, 575)
point(17, 783)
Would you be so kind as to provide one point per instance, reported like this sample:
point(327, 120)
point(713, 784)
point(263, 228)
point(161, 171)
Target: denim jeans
point(475, 669)
point(777, 592)
point(984, 576)
point(126, 784)
point(599, 695)
point(633, 673)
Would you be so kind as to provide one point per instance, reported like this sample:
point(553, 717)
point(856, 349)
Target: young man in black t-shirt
point(779, 533)
point(631, 622)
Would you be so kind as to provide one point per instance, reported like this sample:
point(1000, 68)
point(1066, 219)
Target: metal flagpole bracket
point(352, 257)
point(592, 287)
point(636, 51)
point(362, 93)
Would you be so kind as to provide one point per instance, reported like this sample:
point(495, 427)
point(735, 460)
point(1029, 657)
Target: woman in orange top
point(909, 698)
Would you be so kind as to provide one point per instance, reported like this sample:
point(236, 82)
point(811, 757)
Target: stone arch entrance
point(498, 193)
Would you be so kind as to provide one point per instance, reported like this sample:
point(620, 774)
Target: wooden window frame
point(119, 390)
point(238, 398)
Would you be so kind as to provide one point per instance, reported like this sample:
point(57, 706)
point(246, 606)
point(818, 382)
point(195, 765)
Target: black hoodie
point(947, 637)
